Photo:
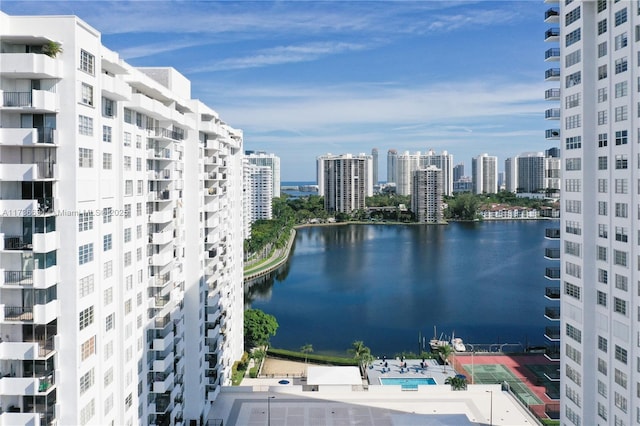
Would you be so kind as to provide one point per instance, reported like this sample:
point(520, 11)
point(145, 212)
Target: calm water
point(385, 284)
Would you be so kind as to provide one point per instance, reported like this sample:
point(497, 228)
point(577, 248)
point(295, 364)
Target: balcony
point(552, 313)
point(160, 343)
point(552, 54)
point(552, 253)
point(35, 100)
point(44, 243)
point(148, 106)
point(115, 88)
point(551, 15)
point(552, 35)
point(552, 293)
point(17, 278)
point(166, 134)
point(11, 242)
point(552, 114)
point(37, 314)
point(552, 233)
point(159, 196)
point(161, 238)
point(161, 217)
point(552, 353)
point(552, 94)
point(45, 278)
point(552, 74)
point(552, 333)
point(552, 273)
point(27, 172)
point(27, 137)
point(160, 154)
point(21, 419)
point(161, 259)
point(162, 382)
point(33, 66)
point(27, 350)
point(552, 134)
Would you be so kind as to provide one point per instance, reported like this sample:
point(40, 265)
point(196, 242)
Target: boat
point(458, 344)
point(436, 343)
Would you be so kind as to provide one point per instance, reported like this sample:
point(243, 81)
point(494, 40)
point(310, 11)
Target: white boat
point(458, 344)
point(436, 343)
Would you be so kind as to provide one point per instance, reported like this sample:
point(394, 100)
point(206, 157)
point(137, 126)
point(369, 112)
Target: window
point(621, 354)
point(138, 209)
point(603, 276)
point(602, 5)
point(108, 377)
point(602, 140)
point(108, 350)
point(573, 58)
point(138, 142)
point(88, 348)
point(86, 286)
point(602, 94)
point(602, 186)
point(572, 16)
point(621, 65)
point(86, 381)
point(602, 298)
point(620, 257)
point(573, 121)
point(108, 296)
point(86, 94)
point(107, 269)
point(602, 208)
point(86, 61)
point(107, 214)
point(85, 221)
point(127, 163)
point(601, 253)
point(602, 49)
point(621, 16)
point(621, 137)
point(85, 318)
point(621, 41)
point(621, 89)
point(138, 231)
point(85, 253)
point(602, 411)
point(602, 231)
point(620, 402)
point(573, 269)
point(622, 186)
point(602, 344)
point(108, 108)
point(127, 259)
point(85, 125)
point(573, 79)
point(602, 117)
point(127, 235)
point(572, 290)
point(127, 139)
point(107, 161)
point(127, 306)
point(621, 113)
point(621, 162)
point(128, 188)
point(574, 142)
point(602, 72)
point(602, 366)
point(620, 306)
point(622, 282)
point(109, 322)
point(138, 164)
point(573, 227)
point(107, 242)
point(106, 134)
point(602, 26)
point(85, 157)
point(574, 333)
point(127, 210)
point(573, 100)
point(573, 163)
point(87, 412)
point(573, 206)
point(127, 402)
point(108, 405)
point(572, 185)
point(573, 354)
point(128, 116)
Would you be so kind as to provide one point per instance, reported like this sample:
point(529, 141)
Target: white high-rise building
point(261, 158)
point(408, 163)
point(260, 188)
point(426, 195)
point(374, 156)
point(600, 323)
point(444, 162)
point(112, 180)
point(511, 174)
point(344, 181)
point(392, 166)
point(484, 172)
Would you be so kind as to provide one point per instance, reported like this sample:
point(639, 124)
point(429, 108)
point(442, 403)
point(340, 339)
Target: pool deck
point(437, 372)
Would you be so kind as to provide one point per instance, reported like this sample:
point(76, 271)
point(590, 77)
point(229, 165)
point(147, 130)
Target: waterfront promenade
point(277, 258)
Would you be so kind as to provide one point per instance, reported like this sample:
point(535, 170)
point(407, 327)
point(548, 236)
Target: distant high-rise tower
point(261, 158)
point(511, 174)
point(484, 170)
point(444, 162)
point(426, 194)
point(374, 155)
point(407, 163)
point(392, 166)
point(458, 172)
point(346, 181)
point(531, 172)
point(258, 194)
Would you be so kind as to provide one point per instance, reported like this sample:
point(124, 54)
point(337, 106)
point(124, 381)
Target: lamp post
point(269, 398)
point(490, 407)
point(473, 352)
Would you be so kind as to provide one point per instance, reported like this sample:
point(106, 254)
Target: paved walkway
point(277, 258)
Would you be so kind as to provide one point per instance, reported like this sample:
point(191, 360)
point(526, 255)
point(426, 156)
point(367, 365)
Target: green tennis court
point(495, 373)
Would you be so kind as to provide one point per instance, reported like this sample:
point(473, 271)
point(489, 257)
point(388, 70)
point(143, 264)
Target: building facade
point(95, 153)
point(484, 173)
point(345, 181)
point(374, 157)
point(599, 325)
point(426, 195)
point(261, 158)
point(408, 163)
point(260, 188)
point(458, 172)
point(392, 163)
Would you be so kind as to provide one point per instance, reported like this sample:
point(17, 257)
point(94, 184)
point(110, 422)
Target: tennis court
point(496, 373)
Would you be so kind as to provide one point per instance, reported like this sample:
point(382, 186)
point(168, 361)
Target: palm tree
point(52, 48)
point(361, 353)
point(445, 352)
point(306, 349)
point(457, 383)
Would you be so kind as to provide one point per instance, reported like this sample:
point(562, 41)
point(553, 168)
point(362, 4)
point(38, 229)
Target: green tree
point(258, 328)
point(361, 353)
point(463, 207)
point(457, 383)
point(306, 349)
point(445, 352)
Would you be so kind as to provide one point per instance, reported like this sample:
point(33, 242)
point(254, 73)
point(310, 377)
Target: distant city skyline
point(306, 78)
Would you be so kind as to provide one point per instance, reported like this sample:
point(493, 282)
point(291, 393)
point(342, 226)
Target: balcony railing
point(552, 133)
point(552, 312)
point(553, 233)
point(552, 333)
point(552, 353)
point(552, 73)
point(167, 133)
point(18, 313)
point(551, 13)
point(552, 94)
point(18, 278)
point(552, 114)
point(17, 99)
point(552, 273)
point(45, 134)
point(16, 243)
point(551, 54)
point(551, 33)
point(552, 253)
point(552, 292)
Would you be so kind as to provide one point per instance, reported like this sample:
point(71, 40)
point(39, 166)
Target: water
point(388, 285)
point(294, 193)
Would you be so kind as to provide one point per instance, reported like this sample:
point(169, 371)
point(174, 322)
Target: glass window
point(86, 62)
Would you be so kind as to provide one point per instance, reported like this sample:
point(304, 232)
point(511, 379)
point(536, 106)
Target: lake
point(390, 284)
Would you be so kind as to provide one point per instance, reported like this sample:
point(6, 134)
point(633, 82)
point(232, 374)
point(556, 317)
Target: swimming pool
point(407, 383)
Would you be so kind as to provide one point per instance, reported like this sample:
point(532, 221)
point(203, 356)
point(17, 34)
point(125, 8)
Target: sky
point(306, 78)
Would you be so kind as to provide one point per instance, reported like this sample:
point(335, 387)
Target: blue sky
point(305, 78)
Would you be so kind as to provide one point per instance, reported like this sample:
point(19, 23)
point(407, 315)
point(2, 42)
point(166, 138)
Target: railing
point(167, 133)
point(552, 410)
point(45, 347)
point(552, 93)
point(45, 134)
point(552, 32)
point(552, 292)
point(552, 133)
point(552, 253)
point(552, 233)
point(18, 277)
point(554, 52)
point(18, 313)
point(553, 353)
point(552, 72)
point(551, 13)
point(17, 99)
point(552, 332)
point(552, 312)
point(552, 273)
point(45, 205)
point(552, 113)
point(16, 243)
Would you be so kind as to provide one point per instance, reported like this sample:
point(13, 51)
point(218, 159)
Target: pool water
point(408, 383)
